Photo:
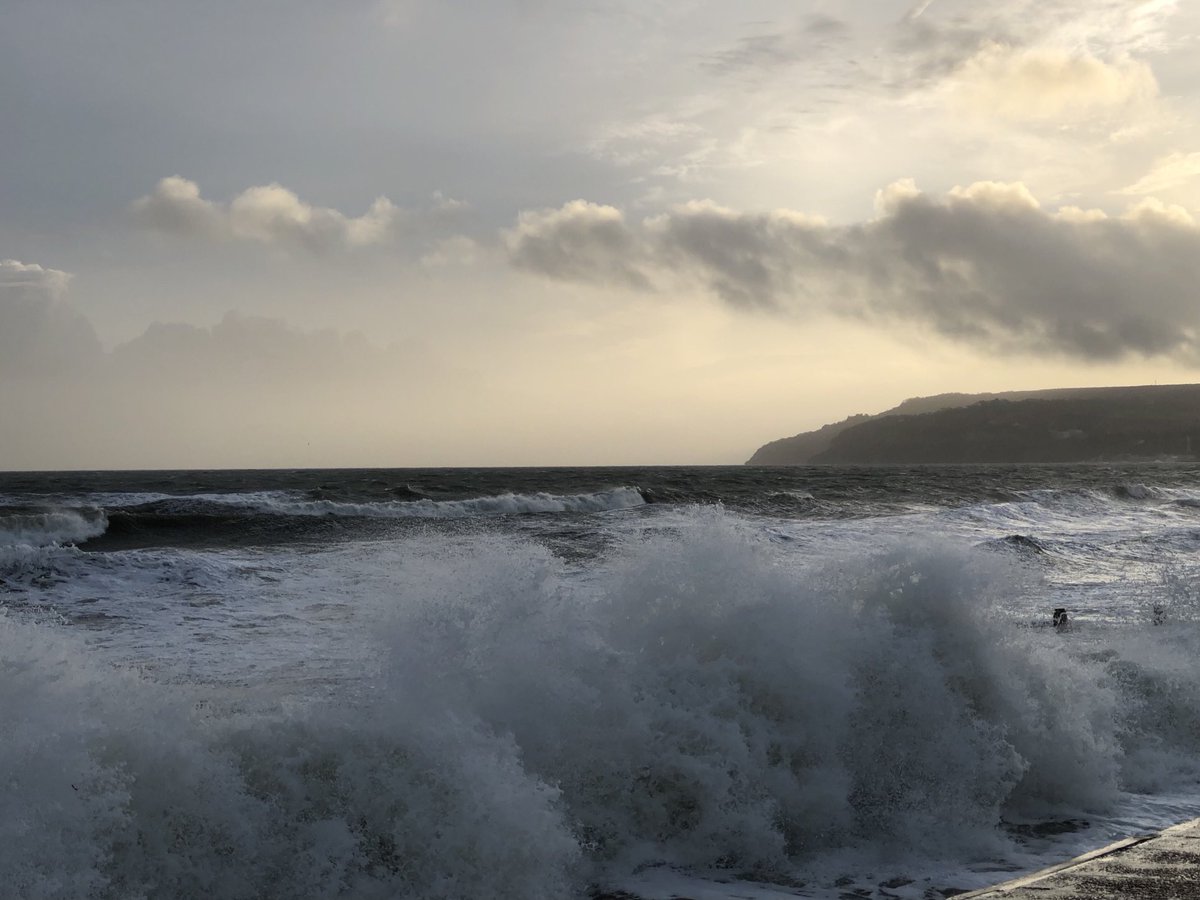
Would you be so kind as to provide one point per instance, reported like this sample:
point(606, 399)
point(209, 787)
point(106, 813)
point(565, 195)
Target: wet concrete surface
point(1163, 866)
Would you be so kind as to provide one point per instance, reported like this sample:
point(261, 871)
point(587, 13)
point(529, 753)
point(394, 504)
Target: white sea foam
point(741, 711)
point(40, 529)
point(116, 787)
point(511, 728)
point(504, 504)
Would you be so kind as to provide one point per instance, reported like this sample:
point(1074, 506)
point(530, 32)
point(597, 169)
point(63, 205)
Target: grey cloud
point(803, 43)
point(39, 333)
point(42, 336)
point(926, 51)
point(822, 24)
point(272, 214)
point(248, 350)
point(926, 48)
point(985, 265)
point(748, 260)
point(244, 392)
point(579, 242)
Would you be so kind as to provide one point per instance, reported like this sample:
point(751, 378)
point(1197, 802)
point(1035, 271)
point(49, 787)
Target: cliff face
point(1076, 425)
point(801, 448)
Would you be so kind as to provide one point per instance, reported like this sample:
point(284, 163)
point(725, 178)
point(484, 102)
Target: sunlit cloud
point(985, 264)
point(1169, 172)
point(1047, 83)
point(273, 214)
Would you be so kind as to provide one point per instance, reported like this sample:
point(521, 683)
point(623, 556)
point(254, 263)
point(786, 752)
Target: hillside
point(1068, 425)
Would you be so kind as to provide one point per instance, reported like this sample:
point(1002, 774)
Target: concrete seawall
point(1162, 866)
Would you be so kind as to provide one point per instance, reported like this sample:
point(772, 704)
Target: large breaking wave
point(37, 528)
point(701, 699)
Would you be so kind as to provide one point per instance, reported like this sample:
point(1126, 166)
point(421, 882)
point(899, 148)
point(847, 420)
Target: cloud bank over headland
point(986, 264)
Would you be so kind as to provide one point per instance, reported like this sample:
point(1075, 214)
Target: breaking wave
point(286, 503)
point(701, 699)
point(502, 505)
point(39, 528)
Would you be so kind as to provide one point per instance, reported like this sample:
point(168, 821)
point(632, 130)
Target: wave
point(502, 505)
point(1018, 543)
point(290, 504)
point(40, 528)
point(1081, 509)
point(278, 517)
point(702, 699)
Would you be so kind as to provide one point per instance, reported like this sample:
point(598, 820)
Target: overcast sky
point(524, 232)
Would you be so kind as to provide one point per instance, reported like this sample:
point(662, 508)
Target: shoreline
point(1164, 864)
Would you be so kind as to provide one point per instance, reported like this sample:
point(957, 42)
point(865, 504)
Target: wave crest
point(289, 504)
point(41, 528)
point(703, 697)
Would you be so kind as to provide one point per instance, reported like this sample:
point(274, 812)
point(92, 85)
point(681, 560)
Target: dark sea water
point(554, 683)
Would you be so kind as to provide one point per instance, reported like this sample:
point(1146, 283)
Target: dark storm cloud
point(985, 265)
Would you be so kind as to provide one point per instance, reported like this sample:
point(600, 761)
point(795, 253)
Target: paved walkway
point(1163, 866)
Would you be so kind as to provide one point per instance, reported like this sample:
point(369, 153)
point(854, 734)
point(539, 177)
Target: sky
point(582, 232)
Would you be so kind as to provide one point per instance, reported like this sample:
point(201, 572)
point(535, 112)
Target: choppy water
point(708, 682)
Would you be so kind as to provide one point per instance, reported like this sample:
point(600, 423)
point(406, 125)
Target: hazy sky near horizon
point(410, 233)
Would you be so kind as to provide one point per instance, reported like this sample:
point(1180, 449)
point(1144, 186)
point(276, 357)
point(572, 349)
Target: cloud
point(984, 264)
point(26, 281)
point(811, 37)
point(42, 336)
point(244, 392)
point(1051, 83)
point(578, 242)
point(453, 251)
point(39, 334)
point(176, 206)
point(725, 249)
point(1169, 172)
point(255, 353)
point(918, 10)
point(1032, 59)
point(272, 214)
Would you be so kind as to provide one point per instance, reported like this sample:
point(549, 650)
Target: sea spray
point(47, 527)
point(517, 724)
point(702, 704)
point(117, 787)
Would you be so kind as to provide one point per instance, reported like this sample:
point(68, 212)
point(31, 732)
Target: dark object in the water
point(1061, 621)
point(1158, 614)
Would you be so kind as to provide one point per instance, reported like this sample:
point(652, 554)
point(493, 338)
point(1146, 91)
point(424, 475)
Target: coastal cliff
point(1068, 425)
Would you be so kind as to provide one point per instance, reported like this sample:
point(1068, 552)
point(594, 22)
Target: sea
point(713, 683)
